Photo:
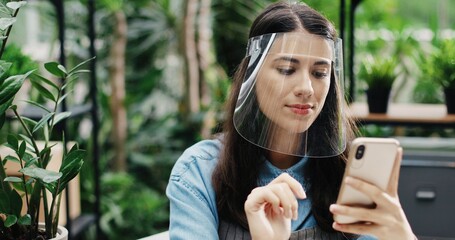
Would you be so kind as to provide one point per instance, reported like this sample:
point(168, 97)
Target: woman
point(275, 171)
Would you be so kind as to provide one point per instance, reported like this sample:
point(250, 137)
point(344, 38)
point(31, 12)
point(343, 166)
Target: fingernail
point(302, 193)
point(289, 215)
point(333, 207)
point(349, 180)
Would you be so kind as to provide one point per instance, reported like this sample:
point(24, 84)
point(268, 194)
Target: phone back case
point(374, 166)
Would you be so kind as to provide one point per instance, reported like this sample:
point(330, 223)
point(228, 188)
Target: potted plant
point(379, 74)
point(440, 68)
point(35, 185)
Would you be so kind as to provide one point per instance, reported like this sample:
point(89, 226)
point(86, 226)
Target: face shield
point(290, 100)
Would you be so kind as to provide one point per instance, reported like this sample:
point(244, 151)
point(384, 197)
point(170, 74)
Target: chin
point(297, 127)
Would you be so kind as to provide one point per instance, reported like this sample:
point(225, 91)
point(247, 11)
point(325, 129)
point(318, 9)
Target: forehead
point(302, 44)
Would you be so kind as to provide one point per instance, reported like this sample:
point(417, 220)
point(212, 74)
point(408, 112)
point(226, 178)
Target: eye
point(285, 70)
point(320, 74)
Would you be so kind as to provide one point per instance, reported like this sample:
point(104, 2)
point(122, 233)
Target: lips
point(301, 109)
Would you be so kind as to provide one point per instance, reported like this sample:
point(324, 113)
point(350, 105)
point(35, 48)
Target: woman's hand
point(269, 209)
point(387, 220)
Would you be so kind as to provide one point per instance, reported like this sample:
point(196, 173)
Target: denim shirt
point(193, 210)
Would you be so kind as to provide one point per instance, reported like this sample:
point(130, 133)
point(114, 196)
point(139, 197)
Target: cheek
point(321, 92)
point(269, 88)
point(269, 94)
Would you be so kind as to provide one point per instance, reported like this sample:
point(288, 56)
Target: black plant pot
point(378, 99)
point(449, 95)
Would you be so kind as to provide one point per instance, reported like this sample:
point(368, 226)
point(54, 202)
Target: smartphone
point(372, 160)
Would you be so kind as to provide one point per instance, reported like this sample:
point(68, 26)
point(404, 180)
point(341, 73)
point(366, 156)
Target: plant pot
point(378, 99)
point(449, 96)
point(62, 232)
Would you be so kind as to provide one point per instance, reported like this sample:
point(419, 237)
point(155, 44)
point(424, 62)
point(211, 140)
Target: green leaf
point(59, 117)
point(45, 155)
point(11, 86)
point(4, 67)
point(16, 203)
point(25, 220)
point(79, 71)
point(5, 23)
point(10, 221)
point(46, 132)
point(71, 166)
point(73, 70)
point(5, 106)
point(29, 121)
point(4, 202)
point(13, 142)
point(43, 121)
point(22, 148)
point(12, 159)
point(73, 155)
point(13, 179)
point(2, 119)
point(55, 69)
point(30, 181)
point(32, 161)
point(27, 139)
point(63, 97)
point(43, 91)
point(4, 9)
point(16, 5)
point(29, 185)
point(42, 175)
point(18, 186)
point(45, 80)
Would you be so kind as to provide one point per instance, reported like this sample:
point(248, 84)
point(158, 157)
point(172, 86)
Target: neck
point(284, 141)
point(282, 161)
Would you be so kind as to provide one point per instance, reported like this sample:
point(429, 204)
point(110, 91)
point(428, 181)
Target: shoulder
point(194, 168)
point(193, 210)
point(202, 156)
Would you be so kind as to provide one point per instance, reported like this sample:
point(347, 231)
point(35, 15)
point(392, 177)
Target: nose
point(303, 86)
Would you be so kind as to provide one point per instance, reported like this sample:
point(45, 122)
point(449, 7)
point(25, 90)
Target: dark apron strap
point(230, 231)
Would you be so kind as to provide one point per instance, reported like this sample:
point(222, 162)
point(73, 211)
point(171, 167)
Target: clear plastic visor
point(291, 100)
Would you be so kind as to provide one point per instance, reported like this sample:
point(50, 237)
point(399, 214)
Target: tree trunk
point(117, 98)
point(207, 65)
point(191, 59)
point(204, 48)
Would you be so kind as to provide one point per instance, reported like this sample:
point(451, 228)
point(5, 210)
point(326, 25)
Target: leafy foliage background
point(159, 127)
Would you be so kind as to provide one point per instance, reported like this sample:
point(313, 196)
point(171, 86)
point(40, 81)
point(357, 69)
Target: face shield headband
point(291, 97)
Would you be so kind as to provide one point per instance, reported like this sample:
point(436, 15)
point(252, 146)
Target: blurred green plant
point(22, 63)
point(378, 72)
point(33, 181)
point(437, 72)
point(426, 91)
point(440, 66)
point(127, 202)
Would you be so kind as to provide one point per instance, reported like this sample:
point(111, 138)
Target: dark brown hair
point(237, 171)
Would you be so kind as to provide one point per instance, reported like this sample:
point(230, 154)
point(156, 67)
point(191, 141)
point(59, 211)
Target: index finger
point(293, 184)
point(392, 188)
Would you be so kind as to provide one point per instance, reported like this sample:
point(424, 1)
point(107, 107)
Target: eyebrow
point(290, 59)
point(321, 62)
point(294, 60)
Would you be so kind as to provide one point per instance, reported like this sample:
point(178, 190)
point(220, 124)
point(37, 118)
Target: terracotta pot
point(449, 95)
point(378, 100)
point(62, 232)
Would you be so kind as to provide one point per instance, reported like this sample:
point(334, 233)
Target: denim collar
point(268, 171)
